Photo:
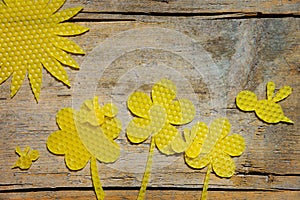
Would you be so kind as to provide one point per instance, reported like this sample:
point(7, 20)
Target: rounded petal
point(55, 144)
point(65, 120)
point(168, 150)
point(180, 112)
point(138, 130)
point(246, 100)
point(68, 143)
point(163, 92)
point(110, 110)
point(76, 159)
point(198, 134)
point(165, 136)
point(198, 162)
point(111, 127)
point(223, 164)
point(97, 143)
point(220, 126)
point(139, 104)
point(219, 129)
point(234, 145)
point(178, 144)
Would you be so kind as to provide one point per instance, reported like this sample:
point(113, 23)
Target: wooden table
point(211, 50)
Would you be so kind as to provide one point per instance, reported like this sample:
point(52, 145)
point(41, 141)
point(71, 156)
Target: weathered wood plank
point(248, 53)
point(190, 6)
point(154, 194)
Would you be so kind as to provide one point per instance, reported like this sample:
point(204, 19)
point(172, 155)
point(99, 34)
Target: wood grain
point(175, 7)
point(248, 52)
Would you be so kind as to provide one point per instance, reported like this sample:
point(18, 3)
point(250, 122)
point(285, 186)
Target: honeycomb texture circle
point(31, 38)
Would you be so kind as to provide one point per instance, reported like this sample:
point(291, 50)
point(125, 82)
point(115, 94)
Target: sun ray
point(35, 78)
point(65, 14)
point(6, 73)
point(66, 44)
point(54, 5)
point(62, 57)
point(69, 29)
point(31, 37)
point(55, 69)
point(17, 80)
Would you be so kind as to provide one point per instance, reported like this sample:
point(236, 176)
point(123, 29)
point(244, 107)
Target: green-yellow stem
point(147, 171)
point(205, 185)
point(96, 180)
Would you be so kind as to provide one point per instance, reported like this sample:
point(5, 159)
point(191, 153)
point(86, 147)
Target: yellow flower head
point(26, 157)
point(157, 115)
point(212, 146)
point(85, 135)
point(31, 38)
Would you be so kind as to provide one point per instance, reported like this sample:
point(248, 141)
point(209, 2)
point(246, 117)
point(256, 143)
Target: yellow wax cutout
point(33, 36)
point(26, 158)
point(155, 118)
point(87, 135)
point(213, 147)
point(267, 110)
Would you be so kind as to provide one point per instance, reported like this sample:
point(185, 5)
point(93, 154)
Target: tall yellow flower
point(156, 117)
point(213, 147)
point(31, 37)
point(87, 134)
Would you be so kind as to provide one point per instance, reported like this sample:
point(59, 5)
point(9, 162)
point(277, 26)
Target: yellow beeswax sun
point(32, 37)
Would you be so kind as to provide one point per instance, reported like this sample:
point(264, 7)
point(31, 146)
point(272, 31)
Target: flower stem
point(205, 185)
point(147, 171)
point(96, 180)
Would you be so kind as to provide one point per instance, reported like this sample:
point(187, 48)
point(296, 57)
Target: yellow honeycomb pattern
point(268, 109)
point(32, 36)
point(87, 135)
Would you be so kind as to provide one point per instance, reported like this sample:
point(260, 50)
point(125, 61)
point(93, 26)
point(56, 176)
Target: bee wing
point(270, 90)
point(283, 93)
point(34, 155)
point(18, 151)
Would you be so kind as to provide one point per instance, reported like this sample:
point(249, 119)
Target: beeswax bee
point(268, 109)
point(26, 157)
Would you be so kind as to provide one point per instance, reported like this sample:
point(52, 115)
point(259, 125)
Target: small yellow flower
point(31, 37)
point(87, 134)
point(213, 147)
point(156, 117)
point(26, 157)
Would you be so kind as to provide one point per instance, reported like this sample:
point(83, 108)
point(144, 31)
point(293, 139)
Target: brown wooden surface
point(248, 52)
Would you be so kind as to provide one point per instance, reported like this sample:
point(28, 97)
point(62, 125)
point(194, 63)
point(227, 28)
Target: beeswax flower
point(155, 118)
point(213, 147)
point(87, 134)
